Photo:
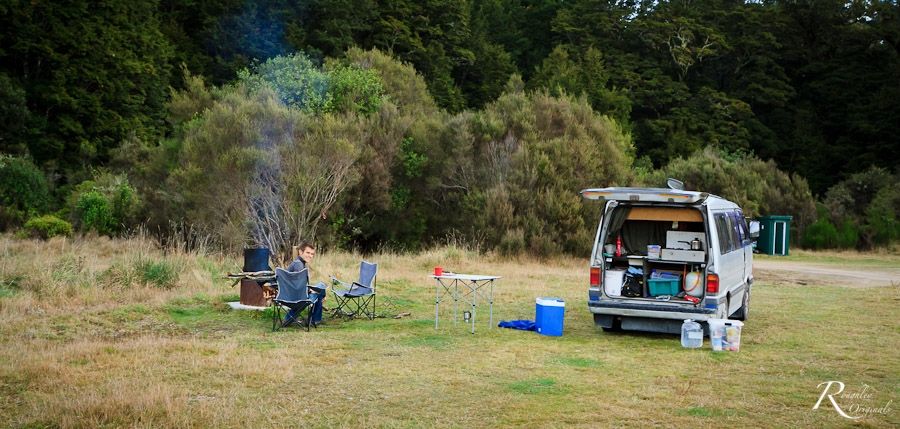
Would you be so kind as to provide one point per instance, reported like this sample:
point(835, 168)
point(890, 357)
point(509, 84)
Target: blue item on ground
point(549, 315)
point(522, 325)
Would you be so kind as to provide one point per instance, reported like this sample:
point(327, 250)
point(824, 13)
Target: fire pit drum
point(256, 293)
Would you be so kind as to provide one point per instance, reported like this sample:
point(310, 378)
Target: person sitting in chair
point(316, 291)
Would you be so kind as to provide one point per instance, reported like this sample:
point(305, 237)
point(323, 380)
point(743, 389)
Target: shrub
point(882, 223)
point(24, 191)
point(848, 235)
point(538, 152)
point(106, 204)
point(354, 89)
point(47, 226)
point(758, 186)
point(821, 234)
point(295, 79)
point(869, 204)
point(94, 212)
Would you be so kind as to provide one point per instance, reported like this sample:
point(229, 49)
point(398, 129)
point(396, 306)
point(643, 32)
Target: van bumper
point(651, 311)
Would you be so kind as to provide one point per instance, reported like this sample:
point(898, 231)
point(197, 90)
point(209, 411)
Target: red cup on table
point(438, 271)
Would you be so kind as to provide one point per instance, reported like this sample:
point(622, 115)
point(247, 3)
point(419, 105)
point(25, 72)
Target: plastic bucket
point(612, 282)
point(725, 335)
point(548, 316)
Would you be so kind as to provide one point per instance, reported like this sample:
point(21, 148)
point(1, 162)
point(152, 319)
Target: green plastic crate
point(664, 286)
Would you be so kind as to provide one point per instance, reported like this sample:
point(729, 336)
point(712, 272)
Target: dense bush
point(882, 219)
point(24, 191)
point(108, 205)
point(870, 202)
point(295, 79)
point(532, 153)
point(823, 234)
point(47, 226)
point(354, 89)
point(758, 186)
point(257, 171)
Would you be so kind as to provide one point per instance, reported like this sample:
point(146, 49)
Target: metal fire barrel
point(256, 259)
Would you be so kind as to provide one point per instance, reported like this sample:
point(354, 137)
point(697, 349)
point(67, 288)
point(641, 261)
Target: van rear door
point(644, 195)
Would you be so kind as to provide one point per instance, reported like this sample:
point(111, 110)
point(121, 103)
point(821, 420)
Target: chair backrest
point(292, 285)
point(367, 273)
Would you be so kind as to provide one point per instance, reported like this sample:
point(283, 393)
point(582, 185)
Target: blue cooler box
point(548, 316)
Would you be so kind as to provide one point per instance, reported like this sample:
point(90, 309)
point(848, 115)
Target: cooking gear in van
point(694, 244)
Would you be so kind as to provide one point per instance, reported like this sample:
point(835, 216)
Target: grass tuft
point(162, 274)
point(579, 362)
point(537, 386)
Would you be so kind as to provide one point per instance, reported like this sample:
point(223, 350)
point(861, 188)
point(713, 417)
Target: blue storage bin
point(549, 314)
point(659, 287)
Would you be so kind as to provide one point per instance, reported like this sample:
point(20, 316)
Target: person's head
point(307, 251)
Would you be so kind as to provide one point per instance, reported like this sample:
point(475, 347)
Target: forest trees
point(77, 79)
point(85, 96)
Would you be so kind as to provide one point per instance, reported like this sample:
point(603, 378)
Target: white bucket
point(725, 334)
point(612, 282)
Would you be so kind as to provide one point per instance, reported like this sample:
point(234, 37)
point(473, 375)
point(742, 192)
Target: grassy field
point(102, 333)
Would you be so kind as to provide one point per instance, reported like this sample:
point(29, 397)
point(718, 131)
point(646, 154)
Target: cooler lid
point(551, 302)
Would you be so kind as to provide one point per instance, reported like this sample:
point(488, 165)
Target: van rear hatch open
point(644, 195)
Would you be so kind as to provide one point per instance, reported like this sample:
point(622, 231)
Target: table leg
point(455, 301)
point(437, 300)
point(474, 299)
point(491, 305)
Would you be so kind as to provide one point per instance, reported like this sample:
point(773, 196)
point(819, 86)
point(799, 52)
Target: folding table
point(467, 288)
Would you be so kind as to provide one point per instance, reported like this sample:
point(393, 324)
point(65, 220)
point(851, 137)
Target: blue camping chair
point(356, 298)
point(292, 294)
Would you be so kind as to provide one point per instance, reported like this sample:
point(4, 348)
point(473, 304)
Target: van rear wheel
point(742, 312)
point(608, 323)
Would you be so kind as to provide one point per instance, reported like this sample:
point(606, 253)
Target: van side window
point(732, 241)
point(742, 227)
point(738, 223)
point(722, 232)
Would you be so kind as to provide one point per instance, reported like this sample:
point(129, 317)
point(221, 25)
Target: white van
point(661, 256)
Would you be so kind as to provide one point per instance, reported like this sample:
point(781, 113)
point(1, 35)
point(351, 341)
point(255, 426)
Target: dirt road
point(803, 273)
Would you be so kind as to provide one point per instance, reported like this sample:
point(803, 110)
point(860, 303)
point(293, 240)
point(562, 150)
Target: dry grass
point(88, 341)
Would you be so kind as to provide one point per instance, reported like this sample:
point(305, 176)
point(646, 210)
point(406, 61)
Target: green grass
point(578, 362)
point(537, 386)
point(186, 360)
point(9, 286)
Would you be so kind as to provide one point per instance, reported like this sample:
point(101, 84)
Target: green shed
point(774, 235)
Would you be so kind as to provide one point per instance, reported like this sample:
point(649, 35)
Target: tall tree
point(91, 75)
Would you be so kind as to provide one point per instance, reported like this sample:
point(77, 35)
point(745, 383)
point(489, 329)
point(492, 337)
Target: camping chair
point(356, 298)
point(293, 294)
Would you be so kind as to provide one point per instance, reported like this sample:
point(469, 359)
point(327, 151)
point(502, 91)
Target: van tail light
point(595, 276)
point(712, 284)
